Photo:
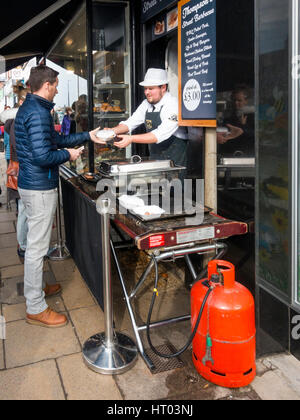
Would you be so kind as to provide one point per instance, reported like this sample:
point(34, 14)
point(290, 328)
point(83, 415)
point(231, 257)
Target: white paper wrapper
point(149, 211)
point(106, 135)
point(131, 202)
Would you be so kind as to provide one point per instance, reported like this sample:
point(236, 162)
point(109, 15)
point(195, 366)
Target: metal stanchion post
point(59, 252)
point(109, 352)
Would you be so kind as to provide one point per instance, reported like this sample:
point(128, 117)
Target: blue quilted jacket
point(38, 145)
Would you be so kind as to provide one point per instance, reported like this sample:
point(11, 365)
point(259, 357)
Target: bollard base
point(58, 253)
point(110, 360)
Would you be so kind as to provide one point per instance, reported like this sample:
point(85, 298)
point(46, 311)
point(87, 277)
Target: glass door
point(273, 147)
point(295, 153)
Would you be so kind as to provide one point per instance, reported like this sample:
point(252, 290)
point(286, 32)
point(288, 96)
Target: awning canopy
point(32, 27)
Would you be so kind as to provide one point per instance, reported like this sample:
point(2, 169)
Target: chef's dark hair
point(40, 75)
point(167, 86)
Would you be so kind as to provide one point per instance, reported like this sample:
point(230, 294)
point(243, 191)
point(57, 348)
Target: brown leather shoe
point(48, 319)
point(52, 289)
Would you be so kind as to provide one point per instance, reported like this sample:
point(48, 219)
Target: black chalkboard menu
point(197, 62)
point(151, 8)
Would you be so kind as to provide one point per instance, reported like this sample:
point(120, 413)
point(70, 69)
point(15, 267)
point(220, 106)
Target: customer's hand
point(93, 136)
point(75, 153)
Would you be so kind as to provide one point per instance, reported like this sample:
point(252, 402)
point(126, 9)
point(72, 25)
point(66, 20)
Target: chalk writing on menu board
point(197, 37)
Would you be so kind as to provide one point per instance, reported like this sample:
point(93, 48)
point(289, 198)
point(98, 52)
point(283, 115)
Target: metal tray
point(95, 177)
point(237, 161)
point(111, 168)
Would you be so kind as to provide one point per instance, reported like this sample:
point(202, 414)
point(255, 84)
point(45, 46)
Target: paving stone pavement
point(41, 364)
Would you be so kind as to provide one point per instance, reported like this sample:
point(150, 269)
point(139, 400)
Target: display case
point(111, 72)
point(69, 55)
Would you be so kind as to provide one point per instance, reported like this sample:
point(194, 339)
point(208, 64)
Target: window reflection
point(70, 56)
point(273, 125)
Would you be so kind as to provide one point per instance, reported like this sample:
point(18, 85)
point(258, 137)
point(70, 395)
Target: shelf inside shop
point(102, 115)
point(108, 86)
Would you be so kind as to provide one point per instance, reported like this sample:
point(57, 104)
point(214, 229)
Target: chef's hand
point(124, 142)
point(244, 119)
point(221, 138)
point(233, 134)
point(94, 138)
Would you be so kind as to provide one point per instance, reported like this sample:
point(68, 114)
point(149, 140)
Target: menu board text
point(197, 62)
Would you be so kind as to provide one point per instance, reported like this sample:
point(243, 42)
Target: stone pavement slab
point(76, 294)
point(18, 312)
point(81, 383)
point(64, 270)
point(278, 378)
point(7, 227)
point(39, 381)
point(87, 322)
point(139, 383)
point(8, 217)
point(17, 270)
point(12, 271)
point(27, 344)
point(8, 257)
point(12, 289)
point(8, 240)
point(273, 386)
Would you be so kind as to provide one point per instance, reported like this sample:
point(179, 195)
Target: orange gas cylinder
point(224, 348)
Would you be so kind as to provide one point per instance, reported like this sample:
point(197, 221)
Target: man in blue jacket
point(40, 151)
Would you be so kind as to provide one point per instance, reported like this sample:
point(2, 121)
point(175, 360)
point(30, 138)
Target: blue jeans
point(40, 209)
point(22, 226)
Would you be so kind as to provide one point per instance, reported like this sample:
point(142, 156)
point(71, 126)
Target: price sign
point(197, 63)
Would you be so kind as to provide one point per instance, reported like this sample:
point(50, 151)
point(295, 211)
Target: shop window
point(273, 146)
point(69, 56)
point(236, 109)
point(111, 72)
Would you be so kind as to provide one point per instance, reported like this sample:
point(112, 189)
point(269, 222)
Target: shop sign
point(151, 8)
point(197, 62)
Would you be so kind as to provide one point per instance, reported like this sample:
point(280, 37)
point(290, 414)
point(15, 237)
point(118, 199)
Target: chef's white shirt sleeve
point(137, 118)
point(169, 117)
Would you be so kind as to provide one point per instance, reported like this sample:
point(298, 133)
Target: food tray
point(127, 167)
point(90, 177)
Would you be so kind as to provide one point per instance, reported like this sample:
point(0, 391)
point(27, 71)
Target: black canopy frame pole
point(89, 38)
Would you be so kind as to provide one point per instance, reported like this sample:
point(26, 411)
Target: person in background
point(81, 109)
point(40, 151)
point(68, 125)
point(6, 146)
point(6, 115)
point(55, 117)
point(241, 125)
point(22, 226)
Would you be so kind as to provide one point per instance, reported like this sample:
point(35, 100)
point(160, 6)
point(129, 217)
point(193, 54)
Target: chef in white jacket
point(159, 113)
